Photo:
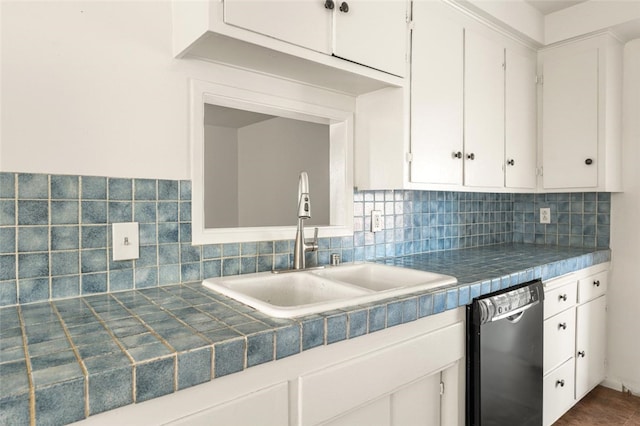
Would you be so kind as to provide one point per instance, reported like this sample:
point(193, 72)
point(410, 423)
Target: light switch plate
point(126, 241)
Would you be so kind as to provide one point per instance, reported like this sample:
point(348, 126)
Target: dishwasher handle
point(519, 311)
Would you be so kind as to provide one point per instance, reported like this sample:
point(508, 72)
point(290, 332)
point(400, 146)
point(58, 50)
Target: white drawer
point(559, 339)
point(592, 286)
point(557, 390)
point(560, 298)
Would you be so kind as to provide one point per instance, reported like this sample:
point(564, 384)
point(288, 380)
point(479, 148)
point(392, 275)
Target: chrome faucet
point(304, 212)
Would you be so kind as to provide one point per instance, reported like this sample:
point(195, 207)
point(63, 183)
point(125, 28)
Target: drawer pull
point(563, 297)
point(562, 325)
point(596, 283)
point(560, 383)
point(581, 354)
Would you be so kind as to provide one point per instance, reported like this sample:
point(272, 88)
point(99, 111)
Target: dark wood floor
point(603, 406)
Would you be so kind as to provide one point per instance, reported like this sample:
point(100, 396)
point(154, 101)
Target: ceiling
point(549, 6)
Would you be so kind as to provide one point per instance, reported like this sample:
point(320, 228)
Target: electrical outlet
point(376, 221)
point(545, 215)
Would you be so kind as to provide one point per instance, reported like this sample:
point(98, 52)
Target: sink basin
point(386, 278)
point(294, 294)
point(285, 295)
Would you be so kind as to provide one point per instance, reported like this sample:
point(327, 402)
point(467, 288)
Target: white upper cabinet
point(372, 33)
point(466, 116)
point(520, 120)
point(436, 98)
point(483, 111)
point(581, 115)
point(570, 117)
point(310, 23)
point(305, 23)
point(472, 124)
point(354, 46)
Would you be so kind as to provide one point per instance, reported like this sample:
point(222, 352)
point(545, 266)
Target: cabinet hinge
point(540, 79)
point(409, 157)
point(441, 388)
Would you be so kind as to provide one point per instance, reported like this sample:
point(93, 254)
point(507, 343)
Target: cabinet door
point(333, 391)
point(483, 111)
point(560, 298)
point(377, 413)
point(436, 97)
point(557, 390)
point(570, 119)
point(592, 286)
point(559, 339)
point(520, 121)
point(269, 407)
point(590, 345)
point(417, 403)
point(372, 33)
point(305, 23)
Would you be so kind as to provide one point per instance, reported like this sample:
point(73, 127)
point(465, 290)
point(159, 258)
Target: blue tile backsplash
point(55, 238)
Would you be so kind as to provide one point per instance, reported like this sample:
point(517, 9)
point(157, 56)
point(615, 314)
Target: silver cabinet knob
point(560, 383)
point(562, 297)
point(562, 325)
point(471, 156)
point(581, 354)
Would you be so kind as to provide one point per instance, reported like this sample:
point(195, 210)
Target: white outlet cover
point(376, 221)
point(545, 215)
point(126, 241)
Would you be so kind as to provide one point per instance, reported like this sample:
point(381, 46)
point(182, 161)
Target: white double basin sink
point(293, 294)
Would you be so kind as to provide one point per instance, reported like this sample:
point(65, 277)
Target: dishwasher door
point(504, 357)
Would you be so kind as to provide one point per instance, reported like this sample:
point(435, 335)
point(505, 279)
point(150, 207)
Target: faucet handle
point(313, 245)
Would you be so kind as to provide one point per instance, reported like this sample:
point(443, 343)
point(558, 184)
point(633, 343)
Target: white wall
point(270, 163)
point(91, 87)
point(220, 177)
point(624, 292)
point(88, 89)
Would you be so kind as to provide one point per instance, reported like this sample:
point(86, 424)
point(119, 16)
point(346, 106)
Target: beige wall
point(220, 177)
point(272, 154)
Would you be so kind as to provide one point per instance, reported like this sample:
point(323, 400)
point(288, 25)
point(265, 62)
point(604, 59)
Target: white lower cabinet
point(414, 404)
point(574, 338)
point(590, 345)
point(411, 374)
point(557, 388)
point(559, 338)
point(332, 392)
point(268, 407)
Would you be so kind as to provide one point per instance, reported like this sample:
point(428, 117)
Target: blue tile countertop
point(64, 360)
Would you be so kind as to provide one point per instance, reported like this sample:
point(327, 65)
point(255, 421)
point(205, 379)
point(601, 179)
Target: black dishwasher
point(504, 357)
